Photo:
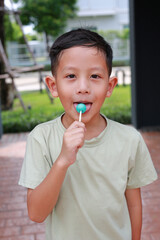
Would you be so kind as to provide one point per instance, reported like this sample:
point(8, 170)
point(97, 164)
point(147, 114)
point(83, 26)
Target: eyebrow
point(98, 69)
point(69, 68)
point(92, 68)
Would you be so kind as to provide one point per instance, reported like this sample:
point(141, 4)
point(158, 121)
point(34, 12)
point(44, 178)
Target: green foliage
point(119, 63)
point(47, 16)
point(8, 29)
point(110, 35)
point(31, 37)
point(118, 108)
point(125, 33)
point(12, 30)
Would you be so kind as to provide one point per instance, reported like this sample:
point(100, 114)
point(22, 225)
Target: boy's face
point(81, 77)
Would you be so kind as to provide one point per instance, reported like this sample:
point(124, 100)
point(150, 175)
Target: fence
point(121, 49)
point(19, 56)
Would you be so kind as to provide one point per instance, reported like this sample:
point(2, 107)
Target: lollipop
point(81, 108)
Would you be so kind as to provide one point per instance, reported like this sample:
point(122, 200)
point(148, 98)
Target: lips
point(88, 105)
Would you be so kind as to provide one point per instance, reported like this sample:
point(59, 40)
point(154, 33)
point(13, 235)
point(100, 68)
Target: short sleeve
point(35, 166)
point(141, 170)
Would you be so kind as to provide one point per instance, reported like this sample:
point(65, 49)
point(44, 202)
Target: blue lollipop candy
point(81, 108)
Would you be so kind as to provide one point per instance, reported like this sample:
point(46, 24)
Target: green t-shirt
point(91, 204)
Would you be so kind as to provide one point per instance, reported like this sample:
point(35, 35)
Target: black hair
point(80, 37)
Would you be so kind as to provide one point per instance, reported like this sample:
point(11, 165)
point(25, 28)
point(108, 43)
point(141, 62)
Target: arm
point(43, 198)
point(133, 197)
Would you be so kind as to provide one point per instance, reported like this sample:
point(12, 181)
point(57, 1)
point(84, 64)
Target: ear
point(51, 84)
point(111, 85)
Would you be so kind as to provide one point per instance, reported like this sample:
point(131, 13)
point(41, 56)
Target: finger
point(76, 124)
point(77, 142)
point(74, 133)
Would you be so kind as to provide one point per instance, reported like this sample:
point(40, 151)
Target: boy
point(84, 178)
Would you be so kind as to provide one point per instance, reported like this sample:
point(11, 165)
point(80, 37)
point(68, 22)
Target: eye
point(71, 76)
point(95, 76)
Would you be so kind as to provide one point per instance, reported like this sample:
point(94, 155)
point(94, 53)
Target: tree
point(12, 32)
point(49, 16)
point(3, 88)
point(6, 89)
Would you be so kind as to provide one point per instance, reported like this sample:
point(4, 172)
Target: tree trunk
point(47, 42)
point(6, 90)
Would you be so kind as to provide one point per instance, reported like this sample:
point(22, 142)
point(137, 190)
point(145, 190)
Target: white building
point(101, 15)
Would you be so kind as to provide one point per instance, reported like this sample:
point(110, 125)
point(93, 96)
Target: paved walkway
point(14, 222)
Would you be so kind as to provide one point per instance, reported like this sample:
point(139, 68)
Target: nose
point(83, 86)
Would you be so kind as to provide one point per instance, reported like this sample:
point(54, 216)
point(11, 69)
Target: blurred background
point(28, 29)
point(109, 18)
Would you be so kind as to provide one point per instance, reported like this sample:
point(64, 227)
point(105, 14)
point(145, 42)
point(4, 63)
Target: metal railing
point(19, 56)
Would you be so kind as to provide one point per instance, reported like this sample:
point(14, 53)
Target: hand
point(73, 139)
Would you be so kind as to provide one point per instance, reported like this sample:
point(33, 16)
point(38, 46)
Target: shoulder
point(123, 129)
point(44, 130)
point(43, 127)
point(124, 132)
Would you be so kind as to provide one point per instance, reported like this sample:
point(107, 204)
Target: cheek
point(62, 90)
point(101, 92)
point(65, 96)
point(100, 98)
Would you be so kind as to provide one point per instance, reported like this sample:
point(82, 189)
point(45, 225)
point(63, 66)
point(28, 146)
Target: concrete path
point(14, 222)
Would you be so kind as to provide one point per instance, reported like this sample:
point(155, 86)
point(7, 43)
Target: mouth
point(88, 105)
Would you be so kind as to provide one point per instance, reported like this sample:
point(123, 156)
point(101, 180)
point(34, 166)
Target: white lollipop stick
point(80, 116)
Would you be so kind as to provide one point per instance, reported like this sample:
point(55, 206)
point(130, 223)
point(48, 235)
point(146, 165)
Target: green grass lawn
point(117, 107)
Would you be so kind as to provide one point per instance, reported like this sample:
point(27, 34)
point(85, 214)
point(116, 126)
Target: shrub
point(41, 110)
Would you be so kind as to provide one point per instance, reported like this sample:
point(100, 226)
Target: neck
point(94, 129)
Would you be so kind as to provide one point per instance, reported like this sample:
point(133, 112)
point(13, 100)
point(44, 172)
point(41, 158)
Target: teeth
point(82, 102)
